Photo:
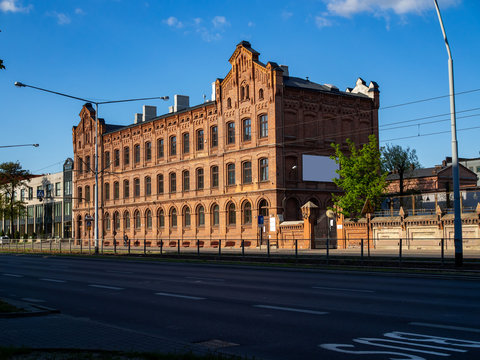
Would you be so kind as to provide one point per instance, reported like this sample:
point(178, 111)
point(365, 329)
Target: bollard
point(220, 247)
point(268, 247)
point(198, 247)
point(243, 248)
point(128, 246)
point(443, 250)
point(296, 248)
point(144, 246)
point(361, 251)
point(161, 247)
point(60, 245)
point(400, 252)
point(178, 246)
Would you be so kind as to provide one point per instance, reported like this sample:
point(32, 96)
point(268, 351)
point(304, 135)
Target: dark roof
point(291, 81)
point(112, 128)
point(416, 173)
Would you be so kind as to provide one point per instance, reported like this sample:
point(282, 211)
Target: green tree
point(12, 178)
point(396, 159)
point(360, 177)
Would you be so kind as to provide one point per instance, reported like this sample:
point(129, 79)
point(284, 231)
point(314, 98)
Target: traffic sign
point(40, 194)
point(261, 220)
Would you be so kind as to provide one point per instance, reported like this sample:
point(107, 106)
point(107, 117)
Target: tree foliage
point(12, 178)
point(396, 159)
point(360, 177)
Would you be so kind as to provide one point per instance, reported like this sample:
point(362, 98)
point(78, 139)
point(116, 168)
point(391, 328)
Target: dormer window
point(229, 103)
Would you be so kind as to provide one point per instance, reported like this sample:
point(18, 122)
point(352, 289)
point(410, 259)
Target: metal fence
point(386, 251)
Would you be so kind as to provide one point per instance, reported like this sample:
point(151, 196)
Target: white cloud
point(79, 11)
point(348, 8)
point(220, 21)
point(172, 21)
point(12, 6)
point(322, 21)
point(62, 19)
point(286, 15)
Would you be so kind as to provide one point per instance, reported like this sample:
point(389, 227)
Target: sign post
point(261, 221)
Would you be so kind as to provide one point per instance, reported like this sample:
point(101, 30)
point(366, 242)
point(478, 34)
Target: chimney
point(213, 91)
point(180, 102)
point(138, 118)
point(285, 70)
point(149, 112)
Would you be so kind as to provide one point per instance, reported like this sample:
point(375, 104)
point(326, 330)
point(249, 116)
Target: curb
point(30, 310)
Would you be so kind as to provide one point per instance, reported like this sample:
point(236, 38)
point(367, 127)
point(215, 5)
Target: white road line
point(106, 287)
point(32, 300)
point(180, 296)
point(342, 289)
point(291, 309)
point(448, 327)
point(203, 278)
point(12, 275)
point(53, 280)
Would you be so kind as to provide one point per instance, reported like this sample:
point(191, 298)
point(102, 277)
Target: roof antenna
point(306, 78)
point(204, 98)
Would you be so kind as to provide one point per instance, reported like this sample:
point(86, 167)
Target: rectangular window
point(200, 140)
point(57, 208)
point(30, 212)
point(173, 146)
point(160, 184)
point(49, 190)
point(30, 193)
point(231, 174)
point(22, 195)
point(87, 164)
point(148, 151)
point(80, 165)
point(116, 190)
point(87, 193)
point(231, 133)
point(137, 187)
point(58, 189)
point(68, 188)
point(136, 154)
point(478, 168)
point(199, 179)
point(173, 183)
point(107, 191)
point(214, 174)
point(116, 155)
point(186, 181)
point(148, 186)
point(79, 194)
point(39, 211)
point(186, 143)
point(214, 136)
point(159, 148)
point(247, 172)
point(247, 130)
point(67, 209)
point(126, 155)
point(126, 189)
point(263, 169)
point(263, 126)
point(107, 159)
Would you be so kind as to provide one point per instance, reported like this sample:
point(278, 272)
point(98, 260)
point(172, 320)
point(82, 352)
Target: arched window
point(263, 167)
point(214, 177)
point(186, 180)
point(229, 103)
point(107, 159)
point(200, 139)
point(186, 216)
point(246, 172)
point(231, 214)
point(136, 183)
point(148, 151)
point(263, 207)
point(116, 221)
point(87, 163)
point(215, 215)
point(186, 143)
point(148, 219)
point(126, 220)
point(161, 218)
point(136, 153)
point(160, 151)
point(160, 184)
point(126, 155)
point(148, 185)
point(260, 94)
point(247, 92)
point(173, 182)
point(231, 174)
point(214, 136)
point(242, 93)
point(263, 126)
point(107, 222)
point(173, 217)
point(126, 189)
point(116, 190)
point(173, 145)
point(247, 129)
point(200, 216)
point(231, 133)
point(137, 219)
point(87, 193)
point(200, 183)
point(116, 157)
point(247, 213)
point(107, 191)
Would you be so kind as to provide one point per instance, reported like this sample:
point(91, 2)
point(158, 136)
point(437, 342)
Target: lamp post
point(19, 84)
point(456, 182)
point(9, 146)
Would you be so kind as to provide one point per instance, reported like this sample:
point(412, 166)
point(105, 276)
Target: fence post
point(178, 246)
point(328, 249)
point(128, 246)
point(198, 247)
point(368, 246)
point(161, 247)
point(70, 245)
point(60, 245)
point(220, 247)
point(81, 246)
point(361, 251)
point(296, 248)
point(400, 252)
point(144, 246)
point(443, 251)
point(268, 247)
point(243, 248)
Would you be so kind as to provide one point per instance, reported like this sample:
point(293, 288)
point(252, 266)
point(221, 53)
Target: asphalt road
point(269, 313)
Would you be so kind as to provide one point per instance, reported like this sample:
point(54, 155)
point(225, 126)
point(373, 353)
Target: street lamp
point(456, 182)
point(19, 84)
point(9, 146)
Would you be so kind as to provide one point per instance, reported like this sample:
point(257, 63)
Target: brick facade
point(265, 121)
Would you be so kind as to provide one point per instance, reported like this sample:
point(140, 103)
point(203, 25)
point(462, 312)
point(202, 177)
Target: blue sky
point(117, 49)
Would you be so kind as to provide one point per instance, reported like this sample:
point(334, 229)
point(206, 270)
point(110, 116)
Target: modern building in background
point(48, 203)
point(208, 171)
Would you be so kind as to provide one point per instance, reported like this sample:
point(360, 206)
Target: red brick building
point(207, 171)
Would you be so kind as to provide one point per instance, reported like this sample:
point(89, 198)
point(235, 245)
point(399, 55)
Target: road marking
point(12, 275)
point(53, 280)
point(180, 296)
point(203, 278)
point(291, 309)
point(342, 289)
point(106, 287)
point(32, 300)
point(448, 327)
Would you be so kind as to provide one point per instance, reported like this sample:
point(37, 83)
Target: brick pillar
point(309, 211)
